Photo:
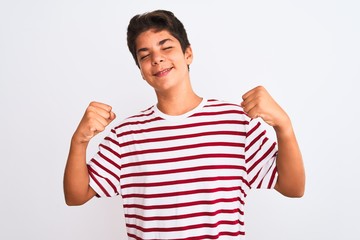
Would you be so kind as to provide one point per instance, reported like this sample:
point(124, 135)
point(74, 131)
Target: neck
point(178, 104)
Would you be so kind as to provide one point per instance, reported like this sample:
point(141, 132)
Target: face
point(162, 62)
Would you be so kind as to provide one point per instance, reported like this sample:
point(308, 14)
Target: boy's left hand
point(258, 103)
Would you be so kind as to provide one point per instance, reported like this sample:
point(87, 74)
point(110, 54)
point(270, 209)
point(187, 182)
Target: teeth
point(163, 71)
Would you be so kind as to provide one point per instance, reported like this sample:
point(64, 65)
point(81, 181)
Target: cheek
point(180, 60)
point(142, 72)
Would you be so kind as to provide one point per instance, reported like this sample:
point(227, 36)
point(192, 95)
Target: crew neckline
point(182, 116)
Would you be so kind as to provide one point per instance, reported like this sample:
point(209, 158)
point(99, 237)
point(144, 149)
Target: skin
point(291, 174)
point(76, 178)
point(164, 66)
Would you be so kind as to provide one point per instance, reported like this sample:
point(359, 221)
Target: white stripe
point(201, 168)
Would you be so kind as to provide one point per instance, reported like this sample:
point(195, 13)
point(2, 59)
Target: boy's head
point(158, 20)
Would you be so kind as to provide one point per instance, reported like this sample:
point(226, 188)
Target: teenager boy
point(185, 165)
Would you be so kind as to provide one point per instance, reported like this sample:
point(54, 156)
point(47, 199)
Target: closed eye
point(143, 57)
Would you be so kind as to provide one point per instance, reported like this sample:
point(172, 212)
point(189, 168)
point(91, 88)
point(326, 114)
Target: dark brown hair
point(158, 20)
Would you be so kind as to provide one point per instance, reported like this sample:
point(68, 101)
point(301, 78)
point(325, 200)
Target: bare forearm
point(76, 177)
point(291, 173)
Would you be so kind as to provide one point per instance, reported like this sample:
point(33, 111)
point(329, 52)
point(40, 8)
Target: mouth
point(163, 72)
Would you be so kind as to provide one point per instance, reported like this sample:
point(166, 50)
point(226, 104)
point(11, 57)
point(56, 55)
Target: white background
point(57, 56)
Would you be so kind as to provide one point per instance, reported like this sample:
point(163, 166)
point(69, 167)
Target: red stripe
point(253, 166)
point(202, 237)
point(181, 159)
point(256, 152)
point(139, 122)
point(177, 137)
point(113, 152)
point(273, 175)
point(182, 193)
point(184, 216)
point(253, 129)
point(177, 148)
point(184, 228)
point(254, 179)
point(105, 169)
point(218, 113)
point(108, 138)
point(183, 181)
point(233, 234)
point(166, 128)
point(135, 237)
point(211, 104)
point(107, 180)
point(185, 204)
point(144, 114)
point(91, 173)
point(180, 170)
point(255, 140)
point(272, 147)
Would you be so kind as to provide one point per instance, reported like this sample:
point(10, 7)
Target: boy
point(185, 165)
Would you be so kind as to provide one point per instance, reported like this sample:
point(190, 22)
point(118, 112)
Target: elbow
point(296, 194)
point(71, 203)
point(77, 197)
point(299, 191)
point(291, 191)
point(74, 201)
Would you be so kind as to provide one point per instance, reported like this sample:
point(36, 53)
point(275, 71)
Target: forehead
point(152, 37)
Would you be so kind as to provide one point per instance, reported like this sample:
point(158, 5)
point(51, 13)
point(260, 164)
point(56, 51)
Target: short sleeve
point(105, 167)
point(260, 156)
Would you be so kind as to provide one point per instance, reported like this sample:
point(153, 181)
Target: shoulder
point(138, 118)
point(223, 105)
point(225, 110)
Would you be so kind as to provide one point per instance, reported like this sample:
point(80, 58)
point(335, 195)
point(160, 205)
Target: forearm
point(76, 177)
point(291, 173)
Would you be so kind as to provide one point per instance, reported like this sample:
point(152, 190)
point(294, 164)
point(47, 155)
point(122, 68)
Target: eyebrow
point(162, 42)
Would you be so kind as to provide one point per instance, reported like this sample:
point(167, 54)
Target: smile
point(163, 72)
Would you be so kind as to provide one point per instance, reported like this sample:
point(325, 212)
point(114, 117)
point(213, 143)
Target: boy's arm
point(76, 177)
point(291, 174)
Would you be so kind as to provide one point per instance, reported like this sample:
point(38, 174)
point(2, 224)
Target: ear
point(188, 55)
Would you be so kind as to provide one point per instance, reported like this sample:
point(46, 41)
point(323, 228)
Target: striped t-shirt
point(187, 176)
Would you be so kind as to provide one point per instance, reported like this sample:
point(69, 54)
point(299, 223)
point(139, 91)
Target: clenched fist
point(97, 116)
point(258, 103)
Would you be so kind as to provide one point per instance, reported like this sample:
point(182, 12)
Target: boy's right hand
point(97, 116)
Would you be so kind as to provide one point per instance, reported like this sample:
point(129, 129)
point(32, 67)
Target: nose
point(157, 58)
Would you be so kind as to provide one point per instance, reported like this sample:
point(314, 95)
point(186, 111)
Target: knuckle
point(90, 108)
point(260, 90)
point(101, 128)
point(92, 103)
point(91, 121)
point(90, 114)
